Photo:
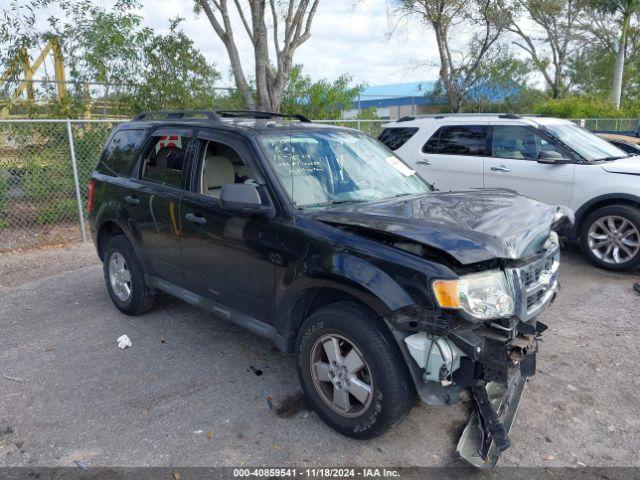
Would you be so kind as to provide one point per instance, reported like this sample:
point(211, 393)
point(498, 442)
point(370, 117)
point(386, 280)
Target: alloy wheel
point(614, 239)
point(341, 375)
point(119, 276)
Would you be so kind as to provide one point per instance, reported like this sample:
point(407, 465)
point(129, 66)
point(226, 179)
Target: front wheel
point(610, 237)
point(352, 371)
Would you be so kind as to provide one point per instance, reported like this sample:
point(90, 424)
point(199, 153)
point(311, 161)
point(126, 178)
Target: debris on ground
point(549, 457)
point(198, 432)
point(6, 431)
point(291, 405)
point(81, 464)
point(209, 435)
point(270, 402)
point(163, 340)
point(255, 370)
point(636, 287)
point(123, 342)
point(13, 379)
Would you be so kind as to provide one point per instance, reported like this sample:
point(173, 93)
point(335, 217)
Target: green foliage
point(175, 74)
point(320, 99)
point(582, 106)
point(101, 45)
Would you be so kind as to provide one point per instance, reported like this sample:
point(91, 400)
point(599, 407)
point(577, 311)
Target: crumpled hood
point(630, 165)
point(472, 225)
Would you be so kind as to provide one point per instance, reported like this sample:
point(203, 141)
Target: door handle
point(132, 199)
point(192, 217)
point(423, 162)
point(500, 168)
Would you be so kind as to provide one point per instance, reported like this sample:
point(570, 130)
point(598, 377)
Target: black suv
point(324, 241)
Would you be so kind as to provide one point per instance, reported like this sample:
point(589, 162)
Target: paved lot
point(194, 390)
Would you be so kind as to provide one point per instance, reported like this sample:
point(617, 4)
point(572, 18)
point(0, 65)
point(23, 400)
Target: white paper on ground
point(123, 342)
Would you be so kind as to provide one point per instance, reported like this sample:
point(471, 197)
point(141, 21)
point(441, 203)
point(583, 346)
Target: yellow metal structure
point(29, 70)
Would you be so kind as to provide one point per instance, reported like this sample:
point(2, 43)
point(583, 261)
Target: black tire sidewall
point(121, 245)
point(381, 359)
point(630, 213)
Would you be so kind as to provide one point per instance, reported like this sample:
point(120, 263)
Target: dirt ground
point(194, 390)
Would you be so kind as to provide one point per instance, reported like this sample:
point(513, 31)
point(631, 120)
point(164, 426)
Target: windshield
point(321, 168)
point(585, 143)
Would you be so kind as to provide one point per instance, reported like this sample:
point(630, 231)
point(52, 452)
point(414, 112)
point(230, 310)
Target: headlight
point(482, 295)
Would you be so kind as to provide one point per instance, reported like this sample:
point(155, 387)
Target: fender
point(348, 274)
point(111, 212)
point(581, 213)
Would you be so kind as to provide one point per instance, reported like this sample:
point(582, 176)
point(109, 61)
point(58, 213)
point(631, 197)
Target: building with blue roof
point(413, 98)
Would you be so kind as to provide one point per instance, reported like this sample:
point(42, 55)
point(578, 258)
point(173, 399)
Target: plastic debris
point(80, 464)
point(123, 342)
point(549, 457)
point(13, 379)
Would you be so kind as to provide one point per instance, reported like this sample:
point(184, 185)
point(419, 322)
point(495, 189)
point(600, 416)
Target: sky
point(347, 36)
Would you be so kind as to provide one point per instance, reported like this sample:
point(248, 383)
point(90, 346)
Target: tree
point(557, 21)
point(458, 70)
point(624, 10)
point(321, 99)
point(175, 74)
point(290, 27)
point(101, 45)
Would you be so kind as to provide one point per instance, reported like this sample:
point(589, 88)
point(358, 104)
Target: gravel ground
point(194, 390)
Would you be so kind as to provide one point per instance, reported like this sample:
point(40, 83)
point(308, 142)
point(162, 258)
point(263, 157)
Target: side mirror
point(242, 197)
point(551, 156)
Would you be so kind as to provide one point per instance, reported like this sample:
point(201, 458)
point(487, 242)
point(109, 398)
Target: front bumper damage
point(493, 363)
point(499, 376)
point(449, 357)
point(486, 434)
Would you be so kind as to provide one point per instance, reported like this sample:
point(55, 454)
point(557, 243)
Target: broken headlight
point(481, 295)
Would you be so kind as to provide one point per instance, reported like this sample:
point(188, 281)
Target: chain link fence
point(45, 166)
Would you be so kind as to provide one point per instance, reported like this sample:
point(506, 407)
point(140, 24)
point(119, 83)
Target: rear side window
point(165, 160)
point(120, 154)
point(458, 140)
point(394, 138)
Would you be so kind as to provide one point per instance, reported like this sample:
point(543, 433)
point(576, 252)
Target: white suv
point(548, 159)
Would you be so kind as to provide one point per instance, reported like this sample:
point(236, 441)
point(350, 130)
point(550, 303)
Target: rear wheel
point(610, 237)
point(124, 277)
point(352, 371)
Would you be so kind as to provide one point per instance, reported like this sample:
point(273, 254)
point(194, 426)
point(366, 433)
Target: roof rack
point(257, 114)
point(215, 115)
point(178, 114)
point(469, 114)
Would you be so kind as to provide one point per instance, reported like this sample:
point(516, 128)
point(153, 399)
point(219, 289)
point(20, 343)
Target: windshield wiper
point(332, 202)
point(610, 159)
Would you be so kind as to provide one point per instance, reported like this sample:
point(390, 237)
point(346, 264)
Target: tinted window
point(518, 142)
point(120, 154)
point(626, 147)
point(432, 144)
point(165, 160)
point(394, 138)
point(463, 140)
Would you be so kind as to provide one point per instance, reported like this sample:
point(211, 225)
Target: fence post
point(72, 150)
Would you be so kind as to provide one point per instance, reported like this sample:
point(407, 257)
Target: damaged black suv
point(322, 240)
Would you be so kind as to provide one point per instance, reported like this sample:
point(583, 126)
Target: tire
point(391, 390)
point(140, 298)
point(621, 236)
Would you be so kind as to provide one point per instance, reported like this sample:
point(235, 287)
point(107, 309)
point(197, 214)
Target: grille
point(536, 283)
